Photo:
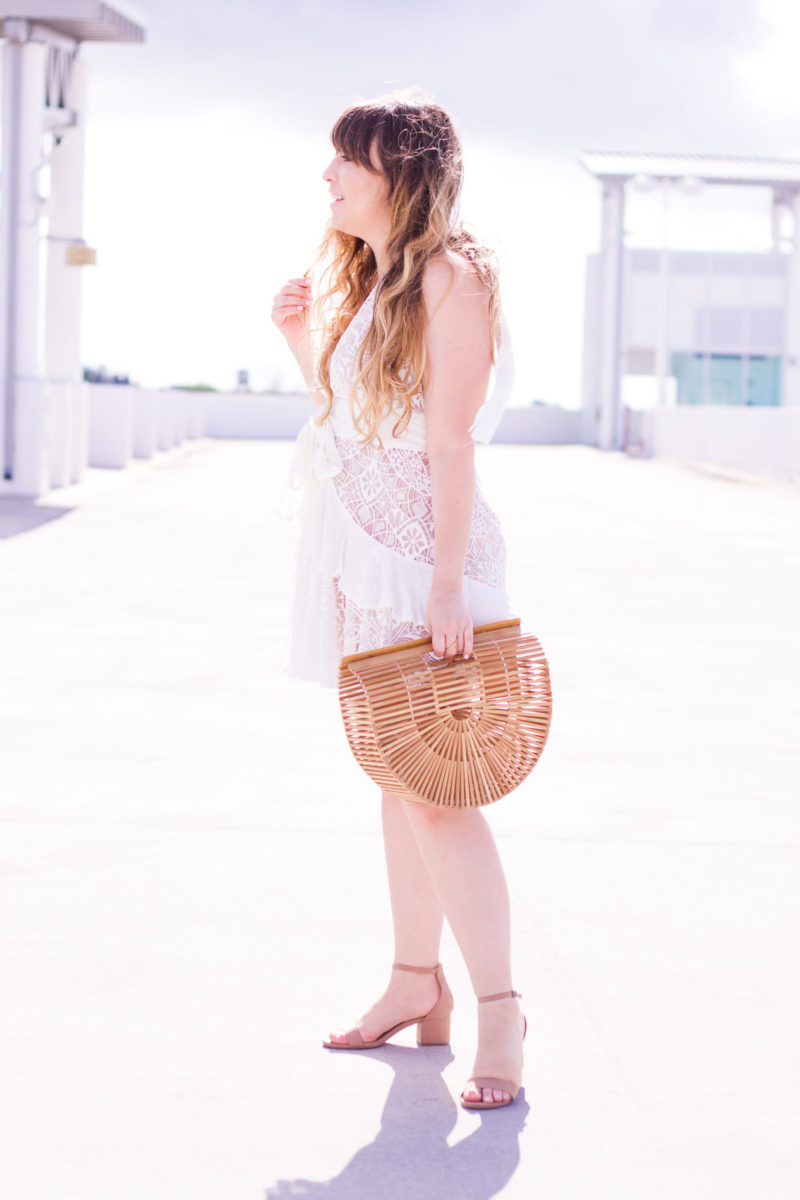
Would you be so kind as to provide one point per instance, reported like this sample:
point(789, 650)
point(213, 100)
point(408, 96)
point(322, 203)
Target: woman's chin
point(339, 221)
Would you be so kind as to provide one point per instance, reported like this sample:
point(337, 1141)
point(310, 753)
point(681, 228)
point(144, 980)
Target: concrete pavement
point(193, 887)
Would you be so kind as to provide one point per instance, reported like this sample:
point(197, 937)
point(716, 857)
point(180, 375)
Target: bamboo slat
point(450, 732)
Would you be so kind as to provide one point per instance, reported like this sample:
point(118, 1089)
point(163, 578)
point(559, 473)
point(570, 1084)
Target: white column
point(609, 433)
point(790, 389)
point(62, 343)
point(662, 363)
point(12, 85)
point(21, 320)
point(63, 315)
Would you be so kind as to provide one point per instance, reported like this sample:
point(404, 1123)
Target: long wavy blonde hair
point(419, 150)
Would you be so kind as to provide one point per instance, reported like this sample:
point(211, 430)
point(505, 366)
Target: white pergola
point(615, 171)
point(42, 399)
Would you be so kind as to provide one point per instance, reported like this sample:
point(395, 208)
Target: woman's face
point(360, 203)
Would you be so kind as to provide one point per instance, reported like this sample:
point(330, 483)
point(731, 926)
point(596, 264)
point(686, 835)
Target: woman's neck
point(378, 246)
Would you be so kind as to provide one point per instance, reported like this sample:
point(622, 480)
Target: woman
point(397, 541)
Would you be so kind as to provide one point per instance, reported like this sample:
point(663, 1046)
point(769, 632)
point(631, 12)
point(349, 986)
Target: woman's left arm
point(459, 365)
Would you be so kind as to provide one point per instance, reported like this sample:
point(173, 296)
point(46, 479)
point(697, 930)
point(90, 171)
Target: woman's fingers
point(294, 289)
point(300, 288)
point(449, 621)
point(281, 316)
point(288, 309)
point(293, 299)
point(447, 642)
point(444, 643)
point(437, 643)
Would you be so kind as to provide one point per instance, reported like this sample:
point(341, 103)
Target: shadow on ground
point(410, 1155)
point(18, 515)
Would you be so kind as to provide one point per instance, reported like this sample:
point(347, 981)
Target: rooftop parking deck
point(194, 887)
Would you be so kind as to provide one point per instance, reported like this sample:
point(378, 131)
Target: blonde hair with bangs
point(419, 150)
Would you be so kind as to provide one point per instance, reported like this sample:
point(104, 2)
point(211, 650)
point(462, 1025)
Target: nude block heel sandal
point(433, 1028)
point(489, 1081)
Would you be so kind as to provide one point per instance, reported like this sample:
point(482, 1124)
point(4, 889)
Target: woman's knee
point(416, 810)
point(435, 818)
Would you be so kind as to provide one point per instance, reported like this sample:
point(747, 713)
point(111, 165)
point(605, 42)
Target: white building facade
point(667, 329)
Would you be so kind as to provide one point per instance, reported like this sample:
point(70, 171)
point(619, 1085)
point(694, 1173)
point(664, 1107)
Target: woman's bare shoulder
point(451, 275)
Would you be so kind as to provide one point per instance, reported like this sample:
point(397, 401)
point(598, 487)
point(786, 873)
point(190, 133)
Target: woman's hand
point(290, 310)
point(449, 622)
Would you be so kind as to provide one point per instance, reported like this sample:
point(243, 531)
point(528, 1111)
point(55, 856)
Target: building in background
point(666, 327)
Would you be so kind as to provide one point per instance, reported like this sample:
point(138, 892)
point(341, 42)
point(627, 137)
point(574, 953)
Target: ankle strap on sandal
point(500, 996)
point(416, 970)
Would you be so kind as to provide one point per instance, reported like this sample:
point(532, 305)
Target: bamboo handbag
point(452, 732)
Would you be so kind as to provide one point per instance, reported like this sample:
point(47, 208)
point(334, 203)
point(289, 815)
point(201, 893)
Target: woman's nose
point(327, 174)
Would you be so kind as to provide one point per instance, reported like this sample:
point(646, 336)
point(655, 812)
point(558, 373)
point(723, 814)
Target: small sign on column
point(80, 255)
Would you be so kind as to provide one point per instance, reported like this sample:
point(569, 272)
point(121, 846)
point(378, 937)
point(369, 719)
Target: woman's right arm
point(290, 314)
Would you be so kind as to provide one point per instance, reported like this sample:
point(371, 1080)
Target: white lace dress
point(365, 552)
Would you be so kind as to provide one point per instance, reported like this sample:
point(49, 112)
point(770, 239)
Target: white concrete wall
point(145, 423)
point(127, 422)
point(110, 425)
point(759, 440)
point(540, 424)
point(67, 447)
point(240, 415)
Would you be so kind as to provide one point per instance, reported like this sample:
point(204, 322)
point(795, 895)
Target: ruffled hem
point(339, 564)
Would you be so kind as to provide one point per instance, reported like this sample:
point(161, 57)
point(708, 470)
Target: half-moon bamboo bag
point(452, 732)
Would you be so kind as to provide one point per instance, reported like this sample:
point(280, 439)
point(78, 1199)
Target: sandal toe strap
point(354, 1040)
point(489, 1081)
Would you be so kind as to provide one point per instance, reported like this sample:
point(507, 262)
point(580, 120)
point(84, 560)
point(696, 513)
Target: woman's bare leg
point(459, 851)
point(417, 916)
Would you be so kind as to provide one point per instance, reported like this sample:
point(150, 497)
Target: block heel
point(434, 1031)
point(433, 1028)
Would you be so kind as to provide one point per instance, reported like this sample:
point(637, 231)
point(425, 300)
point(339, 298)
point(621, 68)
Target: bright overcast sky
point(205, 147)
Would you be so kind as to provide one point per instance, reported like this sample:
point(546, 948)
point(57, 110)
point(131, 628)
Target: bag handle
point(514, 622)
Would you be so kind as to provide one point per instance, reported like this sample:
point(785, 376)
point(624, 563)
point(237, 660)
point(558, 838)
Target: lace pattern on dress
point(388, 494)
point(361, 629)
